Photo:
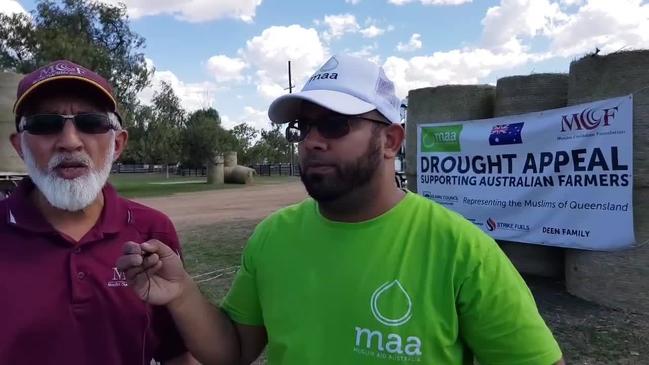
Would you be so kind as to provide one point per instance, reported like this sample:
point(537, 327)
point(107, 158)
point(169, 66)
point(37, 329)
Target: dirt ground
point(208, 207)
point(587, 333)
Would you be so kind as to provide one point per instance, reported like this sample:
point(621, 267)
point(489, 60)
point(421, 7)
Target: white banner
point(561, 177)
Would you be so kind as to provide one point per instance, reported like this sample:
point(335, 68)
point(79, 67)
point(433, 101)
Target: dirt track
point(207, 207)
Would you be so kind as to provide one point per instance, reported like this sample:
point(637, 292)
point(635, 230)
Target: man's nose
point(69, 139)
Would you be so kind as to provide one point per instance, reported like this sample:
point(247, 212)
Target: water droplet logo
point(375, 308)
point(330, 65)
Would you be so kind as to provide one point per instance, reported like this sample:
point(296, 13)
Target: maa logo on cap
point(324, 71)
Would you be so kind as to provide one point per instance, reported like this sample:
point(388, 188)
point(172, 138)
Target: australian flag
point(504, 134)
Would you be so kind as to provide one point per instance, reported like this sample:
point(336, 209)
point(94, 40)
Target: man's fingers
point(150, 260)
point(154, 269)
point(126, 262)
point(155, 246)
point(131, 248)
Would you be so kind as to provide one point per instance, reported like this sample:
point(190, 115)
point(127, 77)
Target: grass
point(150, 185)
point(587, 333)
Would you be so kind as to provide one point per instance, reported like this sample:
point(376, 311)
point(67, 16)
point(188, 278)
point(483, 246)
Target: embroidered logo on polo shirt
point(119, 279)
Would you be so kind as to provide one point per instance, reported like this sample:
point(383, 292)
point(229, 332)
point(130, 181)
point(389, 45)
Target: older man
point(362, 273)
point(63, 301)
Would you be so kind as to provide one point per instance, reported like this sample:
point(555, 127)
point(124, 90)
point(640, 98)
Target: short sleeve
point(242, 301)
point(499, 319)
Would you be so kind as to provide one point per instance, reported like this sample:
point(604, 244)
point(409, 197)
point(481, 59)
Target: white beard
point(69, 194)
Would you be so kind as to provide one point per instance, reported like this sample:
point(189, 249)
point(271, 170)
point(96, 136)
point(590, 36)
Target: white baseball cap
point(345, 84)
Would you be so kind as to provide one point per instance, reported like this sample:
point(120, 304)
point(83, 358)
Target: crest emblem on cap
point(330, 65)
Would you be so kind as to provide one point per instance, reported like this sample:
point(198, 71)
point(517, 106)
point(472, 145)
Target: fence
point(281, 169)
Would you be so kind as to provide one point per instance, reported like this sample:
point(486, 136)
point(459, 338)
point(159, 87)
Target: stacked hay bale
point(520, 95)
point(215, 171)
point(617, 279)
point(443, 104)
point(235, 174)
point(9, 160)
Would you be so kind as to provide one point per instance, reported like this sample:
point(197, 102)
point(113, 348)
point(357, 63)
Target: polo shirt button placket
point(81, 275)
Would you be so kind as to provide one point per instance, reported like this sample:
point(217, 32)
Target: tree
point(163, 136)
point(245, 136)
point(138, 122)
point(272, 147)
point(91, 33)
point(203, 136)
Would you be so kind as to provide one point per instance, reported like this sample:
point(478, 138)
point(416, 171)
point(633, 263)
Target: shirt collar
point(21, 212)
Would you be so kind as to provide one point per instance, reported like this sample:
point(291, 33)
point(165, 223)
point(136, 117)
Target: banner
point(561, 177)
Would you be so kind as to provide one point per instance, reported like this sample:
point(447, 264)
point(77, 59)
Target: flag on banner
point(504, 134)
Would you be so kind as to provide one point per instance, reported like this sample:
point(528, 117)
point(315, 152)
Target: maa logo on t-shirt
point(391, 306)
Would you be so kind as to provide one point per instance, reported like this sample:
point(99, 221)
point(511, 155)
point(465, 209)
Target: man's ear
point(121, 139)
point(394, 135)
point(16, 142)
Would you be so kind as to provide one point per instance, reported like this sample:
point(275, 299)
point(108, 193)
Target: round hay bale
point(531, 93)
point(215, 171)
point(520, 95)
point(442, 104)
point(618, 74)
point(9, 160)
point(239, 175)
point(616, 279)
point(230, 159)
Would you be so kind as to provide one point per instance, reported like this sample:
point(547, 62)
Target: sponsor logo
point(396, 311)
point(118, 279)
point(506, 134)
point(493, 225)
point(441, 139)
point(59, 69)
point(441, 199)
point(588, 119)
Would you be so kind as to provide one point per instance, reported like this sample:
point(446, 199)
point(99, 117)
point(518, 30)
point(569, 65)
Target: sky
point(232, 54)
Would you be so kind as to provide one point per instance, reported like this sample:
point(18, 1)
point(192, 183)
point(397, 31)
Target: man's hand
point(153, 271)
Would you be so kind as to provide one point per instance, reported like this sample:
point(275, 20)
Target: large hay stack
point(443, 104)
point(520, 95)
point(616, 279)
point(9, 160)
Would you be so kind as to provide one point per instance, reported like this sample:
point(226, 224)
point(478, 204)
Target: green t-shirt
point(418, 284)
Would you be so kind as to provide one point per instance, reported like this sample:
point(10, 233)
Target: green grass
point(150, 185)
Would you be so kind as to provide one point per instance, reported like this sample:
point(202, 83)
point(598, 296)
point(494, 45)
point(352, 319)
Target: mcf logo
point(588, 119)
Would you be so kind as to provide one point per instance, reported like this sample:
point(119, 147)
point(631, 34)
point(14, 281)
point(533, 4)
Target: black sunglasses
point(46, 124)
point(330, 127)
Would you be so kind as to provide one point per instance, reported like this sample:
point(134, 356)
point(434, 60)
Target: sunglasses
point(330, 127)
point(48, 124)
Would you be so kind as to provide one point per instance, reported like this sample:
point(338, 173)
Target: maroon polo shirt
point(64, 302)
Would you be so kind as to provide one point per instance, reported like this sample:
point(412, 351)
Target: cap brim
point(288, 107)
point(37, 85)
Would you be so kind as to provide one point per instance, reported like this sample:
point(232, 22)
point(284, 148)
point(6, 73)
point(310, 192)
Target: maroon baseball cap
point(63, 70)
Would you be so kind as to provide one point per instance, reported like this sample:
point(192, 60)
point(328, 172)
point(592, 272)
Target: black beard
point(347, 177)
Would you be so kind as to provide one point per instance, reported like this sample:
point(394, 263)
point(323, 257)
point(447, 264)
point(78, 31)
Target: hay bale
point(230, 159)
point(617, 279)
point(618, 74)
point(520, 95)
point(531, 93)
point(9, 160)
point(239, 175)
point(215, 171)
point(443, 104)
